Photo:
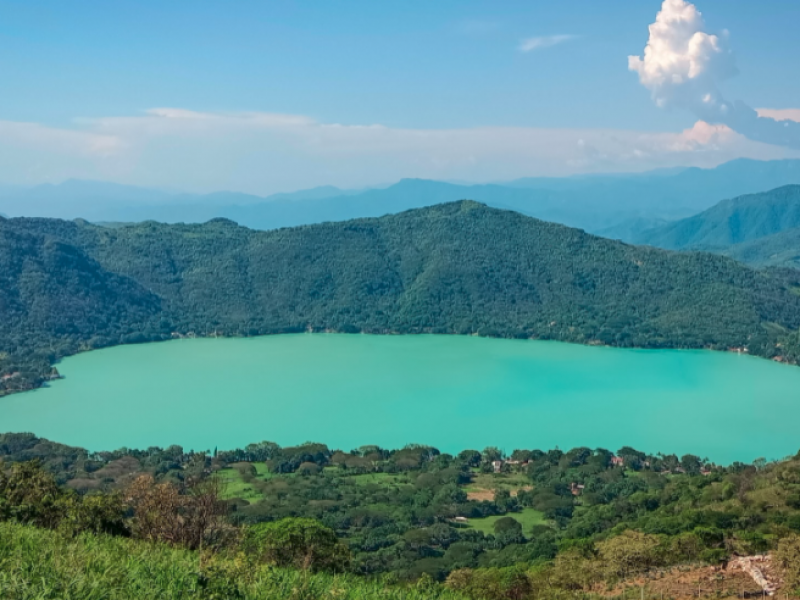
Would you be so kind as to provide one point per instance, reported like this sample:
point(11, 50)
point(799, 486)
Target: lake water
point(452, 392)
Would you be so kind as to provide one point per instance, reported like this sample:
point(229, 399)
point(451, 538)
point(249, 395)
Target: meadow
point(37, 564)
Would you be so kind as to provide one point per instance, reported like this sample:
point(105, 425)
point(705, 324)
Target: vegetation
point(528, 518)
point(580, 519)
point(458, 268)
point(731, 222)
point(776, 250)
point(46, 565)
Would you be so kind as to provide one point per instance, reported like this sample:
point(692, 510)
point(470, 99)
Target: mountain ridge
point(730, 222)
point(459, 268)
point(592, 202)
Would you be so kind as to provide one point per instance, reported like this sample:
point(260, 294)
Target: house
point(617, 461)
point(497, 465)
point(461, 519)
point(577, 488)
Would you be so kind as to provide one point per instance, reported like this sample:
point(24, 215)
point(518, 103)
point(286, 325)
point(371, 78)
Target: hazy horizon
point(278, 98)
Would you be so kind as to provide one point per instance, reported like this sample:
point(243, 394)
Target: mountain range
point(762, 229)
point(460, 268)
point(617, 206)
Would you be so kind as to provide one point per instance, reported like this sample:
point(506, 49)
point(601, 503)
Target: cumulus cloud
point(535, 43)
point(683, 65)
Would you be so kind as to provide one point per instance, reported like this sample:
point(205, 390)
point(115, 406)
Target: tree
point(633, 458)
point(29, 494)
point(298, 543)
point(491, 454)
point(508, 530)
point(162, 513)
point(471, 458)
point(629, 553)
point(691, 464)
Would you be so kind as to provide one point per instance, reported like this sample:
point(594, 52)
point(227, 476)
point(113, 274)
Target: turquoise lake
point(452, 392)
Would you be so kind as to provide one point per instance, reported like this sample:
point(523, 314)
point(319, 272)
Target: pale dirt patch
point(693, 582)
point(481, 495)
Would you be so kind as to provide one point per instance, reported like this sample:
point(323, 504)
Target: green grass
point(236, 487)
point(498, 481)
point(37, 564)
point(528, 517)
point(262, 470)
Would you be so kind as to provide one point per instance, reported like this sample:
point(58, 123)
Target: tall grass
point(37, 564)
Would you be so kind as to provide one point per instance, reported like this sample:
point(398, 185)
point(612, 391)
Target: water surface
point(453, 392)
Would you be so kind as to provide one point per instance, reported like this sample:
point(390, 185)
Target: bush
point(28, 494)
point(788, 556)
point(192, 520)
point(629, 553)
point(299, 543)
point(511, 583)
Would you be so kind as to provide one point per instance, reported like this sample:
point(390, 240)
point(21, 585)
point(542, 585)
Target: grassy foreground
point(37, 564)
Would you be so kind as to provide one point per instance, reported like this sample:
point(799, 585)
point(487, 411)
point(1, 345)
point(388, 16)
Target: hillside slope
point(53, 298)
point(454, 268)
point(731, 222)
point(777, 250)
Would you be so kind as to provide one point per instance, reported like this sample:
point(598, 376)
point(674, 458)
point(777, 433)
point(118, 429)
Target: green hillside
point(777, 250)
point(379, 523)
point(731, 222)
point(458, 268)
point(43, 565)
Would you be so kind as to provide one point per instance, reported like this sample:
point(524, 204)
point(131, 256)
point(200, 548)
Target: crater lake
point(452, 392)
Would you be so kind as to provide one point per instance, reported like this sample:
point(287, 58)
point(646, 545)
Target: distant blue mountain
point(777, 250)
point(730, 222)
point(619, 205)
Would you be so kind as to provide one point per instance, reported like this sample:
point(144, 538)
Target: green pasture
point(528, 517)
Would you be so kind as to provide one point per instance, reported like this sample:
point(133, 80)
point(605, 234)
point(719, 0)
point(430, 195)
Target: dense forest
point(460, 268)
point(731, 222)
point(533, 524)
point(776, 250)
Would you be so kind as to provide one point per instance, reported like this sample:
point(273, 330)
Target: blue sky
point(92, 68)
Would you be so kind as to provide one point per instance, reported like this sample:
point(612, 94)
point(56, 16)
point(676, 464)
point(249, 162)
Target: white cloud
point(265, 152)
point(780, 114)
point(682, 66)
point(535, 43)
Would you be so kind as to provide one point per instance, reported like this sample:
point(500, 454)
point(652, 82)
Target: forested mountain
point(454, 268)
point(618, 205)
point(777, 250)
point(731, 222)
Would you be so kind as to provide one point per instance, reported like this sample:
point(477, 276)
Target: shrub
point(192, 520)
point(788, 556)
point(299, 543)
point(629, 553)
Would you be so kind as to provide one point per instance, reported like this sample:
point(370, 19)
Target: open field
point(237, 487)
point(484, 485)
point(528, 517)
